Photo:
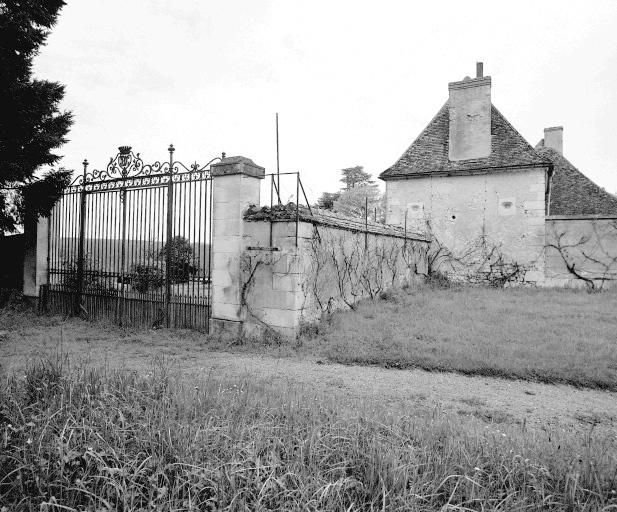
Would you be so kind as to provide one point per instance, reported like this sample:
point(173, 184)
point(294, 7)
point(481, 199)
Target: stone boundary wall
point(581, 251)
point(337, 262)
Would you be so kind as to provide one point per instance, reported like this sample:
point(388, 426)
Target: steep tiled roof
point(429, 152)
point(572, 193)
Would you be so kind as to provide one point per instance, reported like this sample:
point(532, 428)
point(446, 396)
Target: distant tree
point(355, 176)
point(181, 255)
point(31, 125)
point(353, 202)
point(326, 201)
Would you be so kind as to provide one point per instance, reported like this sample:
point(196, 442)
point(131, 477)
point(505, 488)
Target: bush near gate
point(147, 278)
point(181, 259)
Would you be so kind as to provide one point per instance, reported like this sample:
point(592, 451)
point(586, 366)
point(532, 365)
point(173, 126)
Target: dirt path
point(535, 405)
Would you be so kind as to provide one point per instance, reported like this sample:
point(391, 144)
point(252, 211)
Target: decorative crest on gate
point(124, 162)
point(127, 169)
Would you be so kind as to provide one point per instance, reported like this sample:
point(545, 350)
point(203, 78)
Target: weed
point(116, 440)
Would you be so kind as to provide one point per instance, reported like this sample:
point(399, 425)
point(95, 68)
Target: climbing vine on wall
point(332, 269)
point(345, 267)
point(482, 261)
point(590, 258)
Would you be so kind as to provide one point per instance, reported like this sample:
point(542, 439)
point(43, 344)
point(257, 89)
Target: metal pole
point(169, 242)
point(122, 254)
point(308, 205)
point(405, 227)
point(271, 201)
point(82, 233)
point(278, 176)
point(297, 204)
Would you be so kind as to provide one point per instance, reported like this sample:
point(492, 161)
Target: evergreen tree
point(355, 176)
point(326, 201)
point(31, 125)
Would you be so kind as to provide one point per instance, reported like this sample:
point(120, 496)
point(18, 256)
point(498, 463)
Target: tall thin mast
point(278, 176)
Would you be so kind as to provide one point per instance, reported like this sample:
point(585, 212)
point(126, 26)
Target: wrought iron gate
point(133, 243)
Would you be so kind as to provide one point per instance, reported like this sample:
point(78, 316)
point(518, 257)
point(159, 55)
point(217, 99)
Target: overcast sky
point(354, 82)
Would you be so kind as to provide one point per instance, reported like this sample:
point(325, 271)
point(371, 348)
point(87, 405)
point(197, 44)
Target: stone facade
point(506, 208)
point(484, 194)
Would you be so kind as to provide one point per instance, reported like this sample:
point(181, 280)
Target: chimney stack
point(470, 117)
point(479, 69)
point(553, 138)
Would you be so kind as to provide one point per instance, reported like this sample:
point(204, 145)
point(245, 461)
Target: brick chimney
point(470, 117)
point(553, 138)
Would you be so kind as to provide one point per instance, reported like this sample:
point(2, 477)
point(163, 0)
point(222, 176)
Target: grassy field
point(553, 336)
point(87, 438)
point(81, 434)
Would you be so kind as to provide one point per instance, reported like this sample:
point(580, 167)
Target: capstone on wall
point(473, 214)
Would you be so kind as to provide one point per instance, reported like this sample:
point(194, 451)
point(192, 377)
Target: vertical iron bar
point(201, 226)
point(116, 250)
point(80, 254)
point(107, 249)
point(98, 239)
point(170, 208)
point(123, 200)
point(49, 227)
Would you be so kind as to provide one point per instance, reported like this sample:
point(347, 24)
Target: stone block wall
point(335, 263)
point(581, 251)
point(471, 215)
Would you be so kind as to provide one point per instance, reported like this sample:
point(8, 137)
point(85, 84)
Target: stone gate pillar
point(36, 239)
point(235, 186)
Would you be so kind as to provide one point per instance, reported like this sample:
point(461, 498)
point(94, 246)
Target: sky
point(354, 82)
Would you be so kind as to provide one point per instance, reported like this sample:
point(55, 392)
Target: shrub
point(180, 256)
point(390, 295)
point(437, 279)
point(147, 277)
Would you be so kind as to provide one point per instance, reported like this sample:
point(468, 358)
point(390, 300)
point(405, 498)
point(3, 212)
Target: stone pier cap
point(232, 165)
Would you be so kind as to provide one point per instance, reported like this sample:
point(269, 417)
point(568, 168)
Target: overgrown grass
point(552, 336)
point(96, 439)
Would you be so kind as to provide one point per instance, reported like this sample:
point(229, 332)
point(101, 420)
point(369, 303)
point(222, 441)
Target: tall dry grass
point(86, 438)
